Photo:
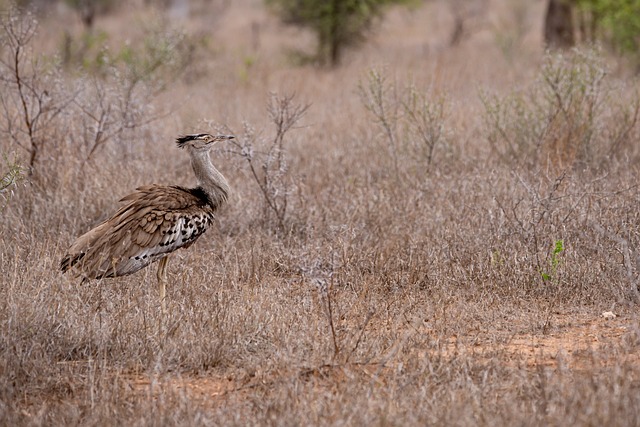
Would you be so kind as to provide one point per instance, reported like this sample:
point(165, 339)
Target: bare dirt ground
point(579, 343)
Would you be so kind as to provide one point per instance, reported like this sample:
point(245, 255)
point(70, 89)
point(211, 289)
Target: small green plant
point(14, 174)
point(497, 259)
point(554, 261)
point(248, 64)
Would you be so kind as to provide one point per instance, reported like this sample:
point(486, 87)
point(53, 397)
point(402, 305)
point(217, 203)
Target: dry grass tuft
point(425, 235)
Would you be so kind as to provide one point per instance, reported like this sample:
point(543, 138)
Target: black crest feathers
point(182, 140)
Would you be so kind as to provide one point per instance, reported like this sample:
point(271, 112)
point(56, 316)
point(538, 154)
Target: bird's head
point(201, 141)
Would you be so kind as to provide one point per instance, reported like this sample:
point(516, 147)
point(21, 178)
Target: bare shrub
point(111, 109)
point(118, 94)
point(267, 160)
point(426, 115)
point(62, 123)
point(630, 256)
point(32, 94)
point(557, 139)
point(571, 118)
point(160, 55)
point(382, 100)
point(413, 122)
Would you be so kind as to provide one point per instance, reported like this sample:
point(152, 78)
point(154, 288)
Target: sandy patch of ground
point(579, 343)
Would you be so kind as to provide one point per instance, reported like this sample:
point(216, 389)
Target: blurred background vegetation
point(614, 23)
point(341, 23)
point(166, 52)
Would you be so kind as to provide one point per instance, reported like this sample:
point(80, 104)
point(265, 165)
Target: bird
point(153, 222)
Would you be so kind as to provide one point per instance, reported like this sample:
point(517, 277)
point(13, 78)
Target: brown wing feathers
point(154, 221)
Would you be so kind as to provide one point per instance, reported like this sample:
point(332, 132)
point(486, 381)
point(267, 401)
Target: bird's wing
point(154, 221)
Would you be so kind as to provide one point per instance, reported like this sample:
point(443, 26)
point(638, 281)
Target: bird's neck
point(209, 178)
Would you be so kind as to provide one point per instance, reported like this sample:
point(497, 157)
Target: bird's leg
point(162, 280)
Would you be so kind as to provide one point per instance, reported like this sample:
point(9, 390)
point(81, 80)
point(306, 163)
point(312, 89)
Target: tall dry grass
point(425, 190)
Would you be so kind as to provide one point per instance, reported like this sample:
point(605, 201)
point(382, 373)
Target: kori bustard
point(153, 222)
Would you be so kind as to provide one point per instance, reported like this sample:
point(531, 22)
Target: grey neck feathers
point(209, 178)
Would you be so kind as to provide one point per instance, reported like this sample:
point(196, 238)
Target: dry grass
point(394, 291)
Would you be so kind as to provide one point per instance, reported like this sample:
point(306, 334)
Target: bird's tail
point(69, 261)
